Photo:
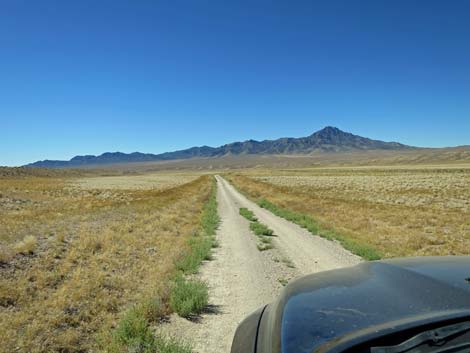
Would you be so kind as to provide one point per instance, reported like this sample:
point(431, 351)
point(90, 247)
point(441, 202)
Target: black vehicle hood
point(319, 308)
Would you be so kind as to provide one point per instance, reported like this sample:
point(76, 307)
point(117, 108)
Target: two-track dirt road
point(242, 279)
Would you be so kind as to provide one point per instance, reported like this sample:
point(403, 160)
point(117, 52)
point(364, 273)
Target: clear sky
point(90, 76)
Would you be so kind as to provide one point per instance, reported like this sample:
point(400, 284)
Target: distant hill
point(23, 172)
point(329, 139)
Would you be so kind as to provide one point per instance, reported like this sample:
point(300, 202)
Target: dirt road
point(241, 278)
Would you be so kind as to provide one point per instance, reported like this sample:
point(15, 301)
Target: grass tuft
point(266, 240)
point(172, 345)
point(261, 229)
point(249, 215)
point(188, 297)
point(264, 247)
point(288, 262)
point(152, 309)
point(210, 219)
point(60, 238)
point(133, 332)
point(200, 250)
point(27, 245)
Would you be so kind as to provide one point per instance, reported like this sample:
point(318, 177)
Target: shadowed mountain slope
point(329, 139)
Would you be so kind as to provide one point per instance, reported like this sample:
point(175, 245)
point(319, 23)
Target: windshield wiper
point(435, 336)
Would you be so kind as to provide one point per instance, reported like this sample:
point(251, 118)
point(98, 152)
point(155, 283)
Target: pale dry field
point(400, 211)
point(439, 190)
point(73, 260)
point(134, 182)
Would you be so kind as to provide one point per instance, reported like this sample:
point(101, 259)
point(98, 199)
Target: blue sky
point(90, 76)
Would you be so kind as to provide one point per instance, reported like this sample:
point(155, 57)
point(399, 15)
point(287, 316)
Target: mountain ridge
point(328, 139)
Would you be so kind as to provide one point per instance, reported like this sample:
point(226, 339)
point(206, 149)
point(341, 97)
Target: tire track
point(241, 278)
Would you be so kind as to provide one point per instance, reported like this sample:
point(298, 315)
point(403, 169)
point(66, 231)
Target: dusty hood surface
point(315, 311)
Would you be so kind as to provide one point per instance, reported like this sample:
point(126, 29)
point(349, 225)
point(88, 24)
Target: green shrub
point(249, 215)
point(210, 219)
point(266, 240)
point(264, 247)
point(134, 333)
point(152, 309)
point(200, 249)
point(260, 229)
point(188, 297)
point(171, 345)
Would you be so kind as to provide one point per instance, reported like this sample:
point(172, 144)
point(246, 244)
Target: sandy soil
point(241, 278)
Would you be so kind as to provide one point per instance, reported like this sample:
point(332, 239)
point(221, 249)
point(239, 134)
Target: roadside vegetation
point(95, 269)
point(189, 297)
point(134, 334)
point(249, 215)
point(363, 250)
point(262, 231)
point(373, 212)
point(286, 261)
point(200, 245)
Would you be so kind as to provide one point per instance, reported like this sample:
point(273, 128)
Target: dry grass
point(136, 182)
point(72, 261)
point(27, 245)
point(398, 211)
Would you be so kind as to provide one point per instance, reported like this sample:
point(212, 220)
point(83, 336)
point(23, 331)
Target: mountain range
point(328, 139)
